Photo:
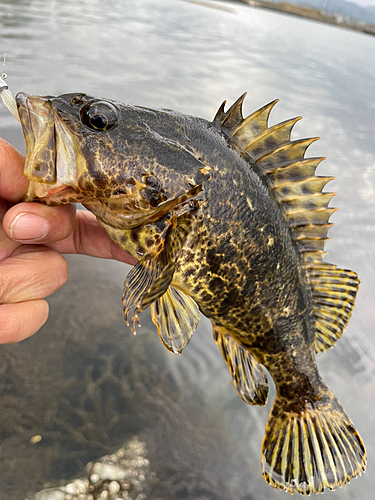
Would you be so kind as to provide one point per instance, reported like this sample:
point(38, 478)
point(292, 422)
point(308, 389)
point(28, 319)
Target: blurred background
point(84, 384)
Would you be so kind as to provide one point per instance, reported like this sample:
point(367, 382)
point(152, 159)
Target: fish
point(226, 218)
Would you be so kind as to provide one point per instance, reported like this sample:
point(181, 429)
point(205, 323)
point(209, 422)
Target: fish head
point(104, 154)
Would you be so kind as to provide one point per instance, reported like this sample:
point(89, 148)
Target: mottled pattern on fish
point(226, 218)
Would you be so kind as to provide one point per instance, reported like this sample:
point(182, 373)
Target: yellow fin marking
point(297, 450)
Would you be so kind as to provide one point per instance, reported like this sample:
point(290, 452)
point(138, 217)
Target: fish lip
point(21, 98)
point(45, 193)
point(38, 126)
point(36, 105)
point(47, 156)
point(57, 190)
point(24, 99)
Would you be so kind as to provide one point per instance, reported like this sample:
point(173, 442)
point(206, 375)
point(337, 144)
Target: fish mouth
point(51, 152)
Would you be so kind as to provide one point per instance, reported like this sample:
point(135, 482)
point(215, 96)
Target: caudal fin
point(311, 448)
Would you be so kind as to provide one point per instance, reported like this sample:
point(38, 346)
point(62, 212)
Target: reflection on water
point(88, 385)
point(83, 382)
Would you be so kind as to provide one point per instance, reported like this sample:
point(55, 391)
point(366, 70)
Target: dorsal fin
point(234, 114)
point(291, 176)
point(298, 190)
point(334, 293)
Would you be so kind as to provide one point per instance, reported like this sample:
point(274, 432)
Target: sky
point(364, 3)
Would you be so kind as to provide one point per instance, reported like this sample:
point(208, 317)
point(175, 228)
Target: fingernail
point(28, 227)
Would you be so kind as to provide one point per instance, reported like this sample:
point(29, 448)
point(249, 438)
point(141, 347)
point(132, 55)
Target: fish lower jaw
point(52, 194)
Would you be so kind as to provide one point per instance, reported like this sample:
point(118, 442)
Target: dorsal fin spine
point(295, 150)
point(312, 230)
point(220, 112)
point(265, 110)
point(234, 114)
point(313, 202)
point(300, 187)
point(314, 257)
point(285, 126)
point(311, 217)
point(298, 170)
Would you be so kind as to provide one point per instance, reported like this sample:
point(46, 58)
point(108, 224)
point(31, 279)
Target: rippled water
point(187, 57)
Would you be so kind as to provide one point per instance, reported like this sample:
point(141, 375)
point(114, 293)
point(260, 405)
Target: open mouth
point(51, 194)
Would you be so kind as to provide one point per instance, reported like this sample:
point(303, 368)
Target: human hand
point(32, 238)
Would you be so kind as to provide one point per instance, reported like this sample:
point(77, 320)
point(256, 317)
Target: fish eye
point(99, 115)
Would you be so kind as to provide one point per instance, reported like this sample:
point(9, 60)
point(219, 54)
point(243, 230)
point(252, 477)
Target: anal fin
point(249, 376)
point(176, 316)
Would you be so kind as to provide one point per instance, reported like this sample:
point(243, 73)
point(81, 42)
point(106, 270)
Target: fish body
point(226, 218)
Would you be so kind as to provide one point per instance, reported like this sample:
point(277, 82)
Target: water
point(188, 57)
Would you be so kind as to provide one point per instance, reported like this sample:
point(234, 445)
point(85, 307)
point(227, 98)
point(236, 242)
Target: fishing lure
point(6, 94)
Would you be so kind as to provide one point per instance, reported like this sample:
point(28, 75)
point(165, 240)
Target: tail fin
point(312, 448)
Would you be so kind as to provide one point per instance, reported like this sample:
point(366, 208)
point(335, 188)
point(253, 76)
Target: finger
point(33, 274)
point(13, 184)
point(19, 321)
point(7, 247)
point(37, 223)
point(90, 239)
point(3, 209)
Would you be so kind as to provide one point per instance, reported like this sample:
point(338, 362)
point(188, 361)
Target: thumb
point(36, 223)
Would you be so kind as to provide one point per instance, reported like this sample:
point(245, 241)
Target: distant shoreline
point(310, 13)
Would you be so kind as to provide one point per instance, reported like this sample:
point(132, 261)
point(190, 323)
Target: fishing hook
point(3, 76)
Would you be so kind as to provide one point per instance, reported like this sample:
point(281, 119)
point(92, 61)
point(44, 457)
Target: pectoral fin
point(151, 277)
point(146, 282)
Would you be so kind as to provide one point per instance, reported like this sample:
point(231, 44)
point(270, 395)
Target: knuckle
point(57, 268)
point(61, 221)
point(4, 288)
point(64, 270)
point(19, 321)
point(79, 236)
point(53, 274)
point(4, 148)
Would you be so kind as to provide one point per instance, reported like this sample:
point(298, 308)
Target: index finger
point(13, 184)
